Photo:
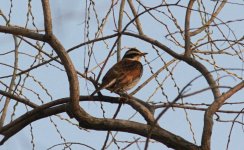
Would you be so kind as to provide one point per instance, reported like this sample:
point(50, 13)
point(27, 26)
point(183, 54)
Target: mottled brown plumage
point(125, 74)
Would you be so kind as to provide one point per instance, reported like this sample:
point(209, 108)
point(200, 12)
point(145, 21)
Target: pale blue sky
point(68, 23)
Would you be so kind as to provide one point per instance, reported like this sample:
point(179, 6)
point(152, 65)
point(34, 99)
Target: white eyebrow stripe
point(133, 52)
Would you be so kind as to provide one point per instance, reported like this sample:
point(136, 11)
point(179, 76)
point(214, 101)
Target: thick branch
point(37, 109)
point(45, 113)
point(50, 108)
point(187, 29)
point(22, 31)
point(47, 17)
point(65, 59)
point(158, 134)
point(213, 108)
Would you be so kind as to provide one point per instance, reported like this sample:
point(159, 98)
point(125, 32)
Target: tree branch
point(158, 134)
point(23, 32)
point(138, 23)
point(47, 17)
point(11, 88)
point(187, 29)
point(212, 109)
point(18, 99)
point(59, 106)
point(66, 61)
point(120, 21)
point(9, 132)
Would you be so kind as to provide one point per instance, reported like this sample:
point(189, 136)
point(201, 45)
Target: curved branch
point(66, 61)
point(212, 109)
point(13, 130)
point(38, 109)
point(23, 32)
point(156, 43)
point(158, 134)
point(143, 108)
point(90, 122)
point(19, 99)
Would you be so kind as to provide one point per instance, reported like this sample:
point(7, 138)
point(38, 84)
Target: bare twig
point(213, 16)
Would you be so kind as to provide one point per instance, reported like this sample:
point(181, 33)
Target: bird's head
point(133, 54)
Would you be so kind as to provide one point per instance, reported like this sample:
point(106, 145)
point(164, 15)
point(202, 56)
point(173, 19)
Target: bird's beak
point(143, 54)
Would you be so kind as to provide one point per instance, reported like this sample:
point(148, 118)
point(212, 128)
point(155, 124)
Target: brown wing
point(112, 74)
point(122, 73)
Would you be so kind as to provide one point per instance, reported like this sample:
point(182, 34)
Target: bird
point(125, 74)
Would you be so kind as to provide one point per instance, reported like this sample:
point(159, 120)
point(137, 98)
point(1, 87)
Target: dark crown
point(132, 53)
